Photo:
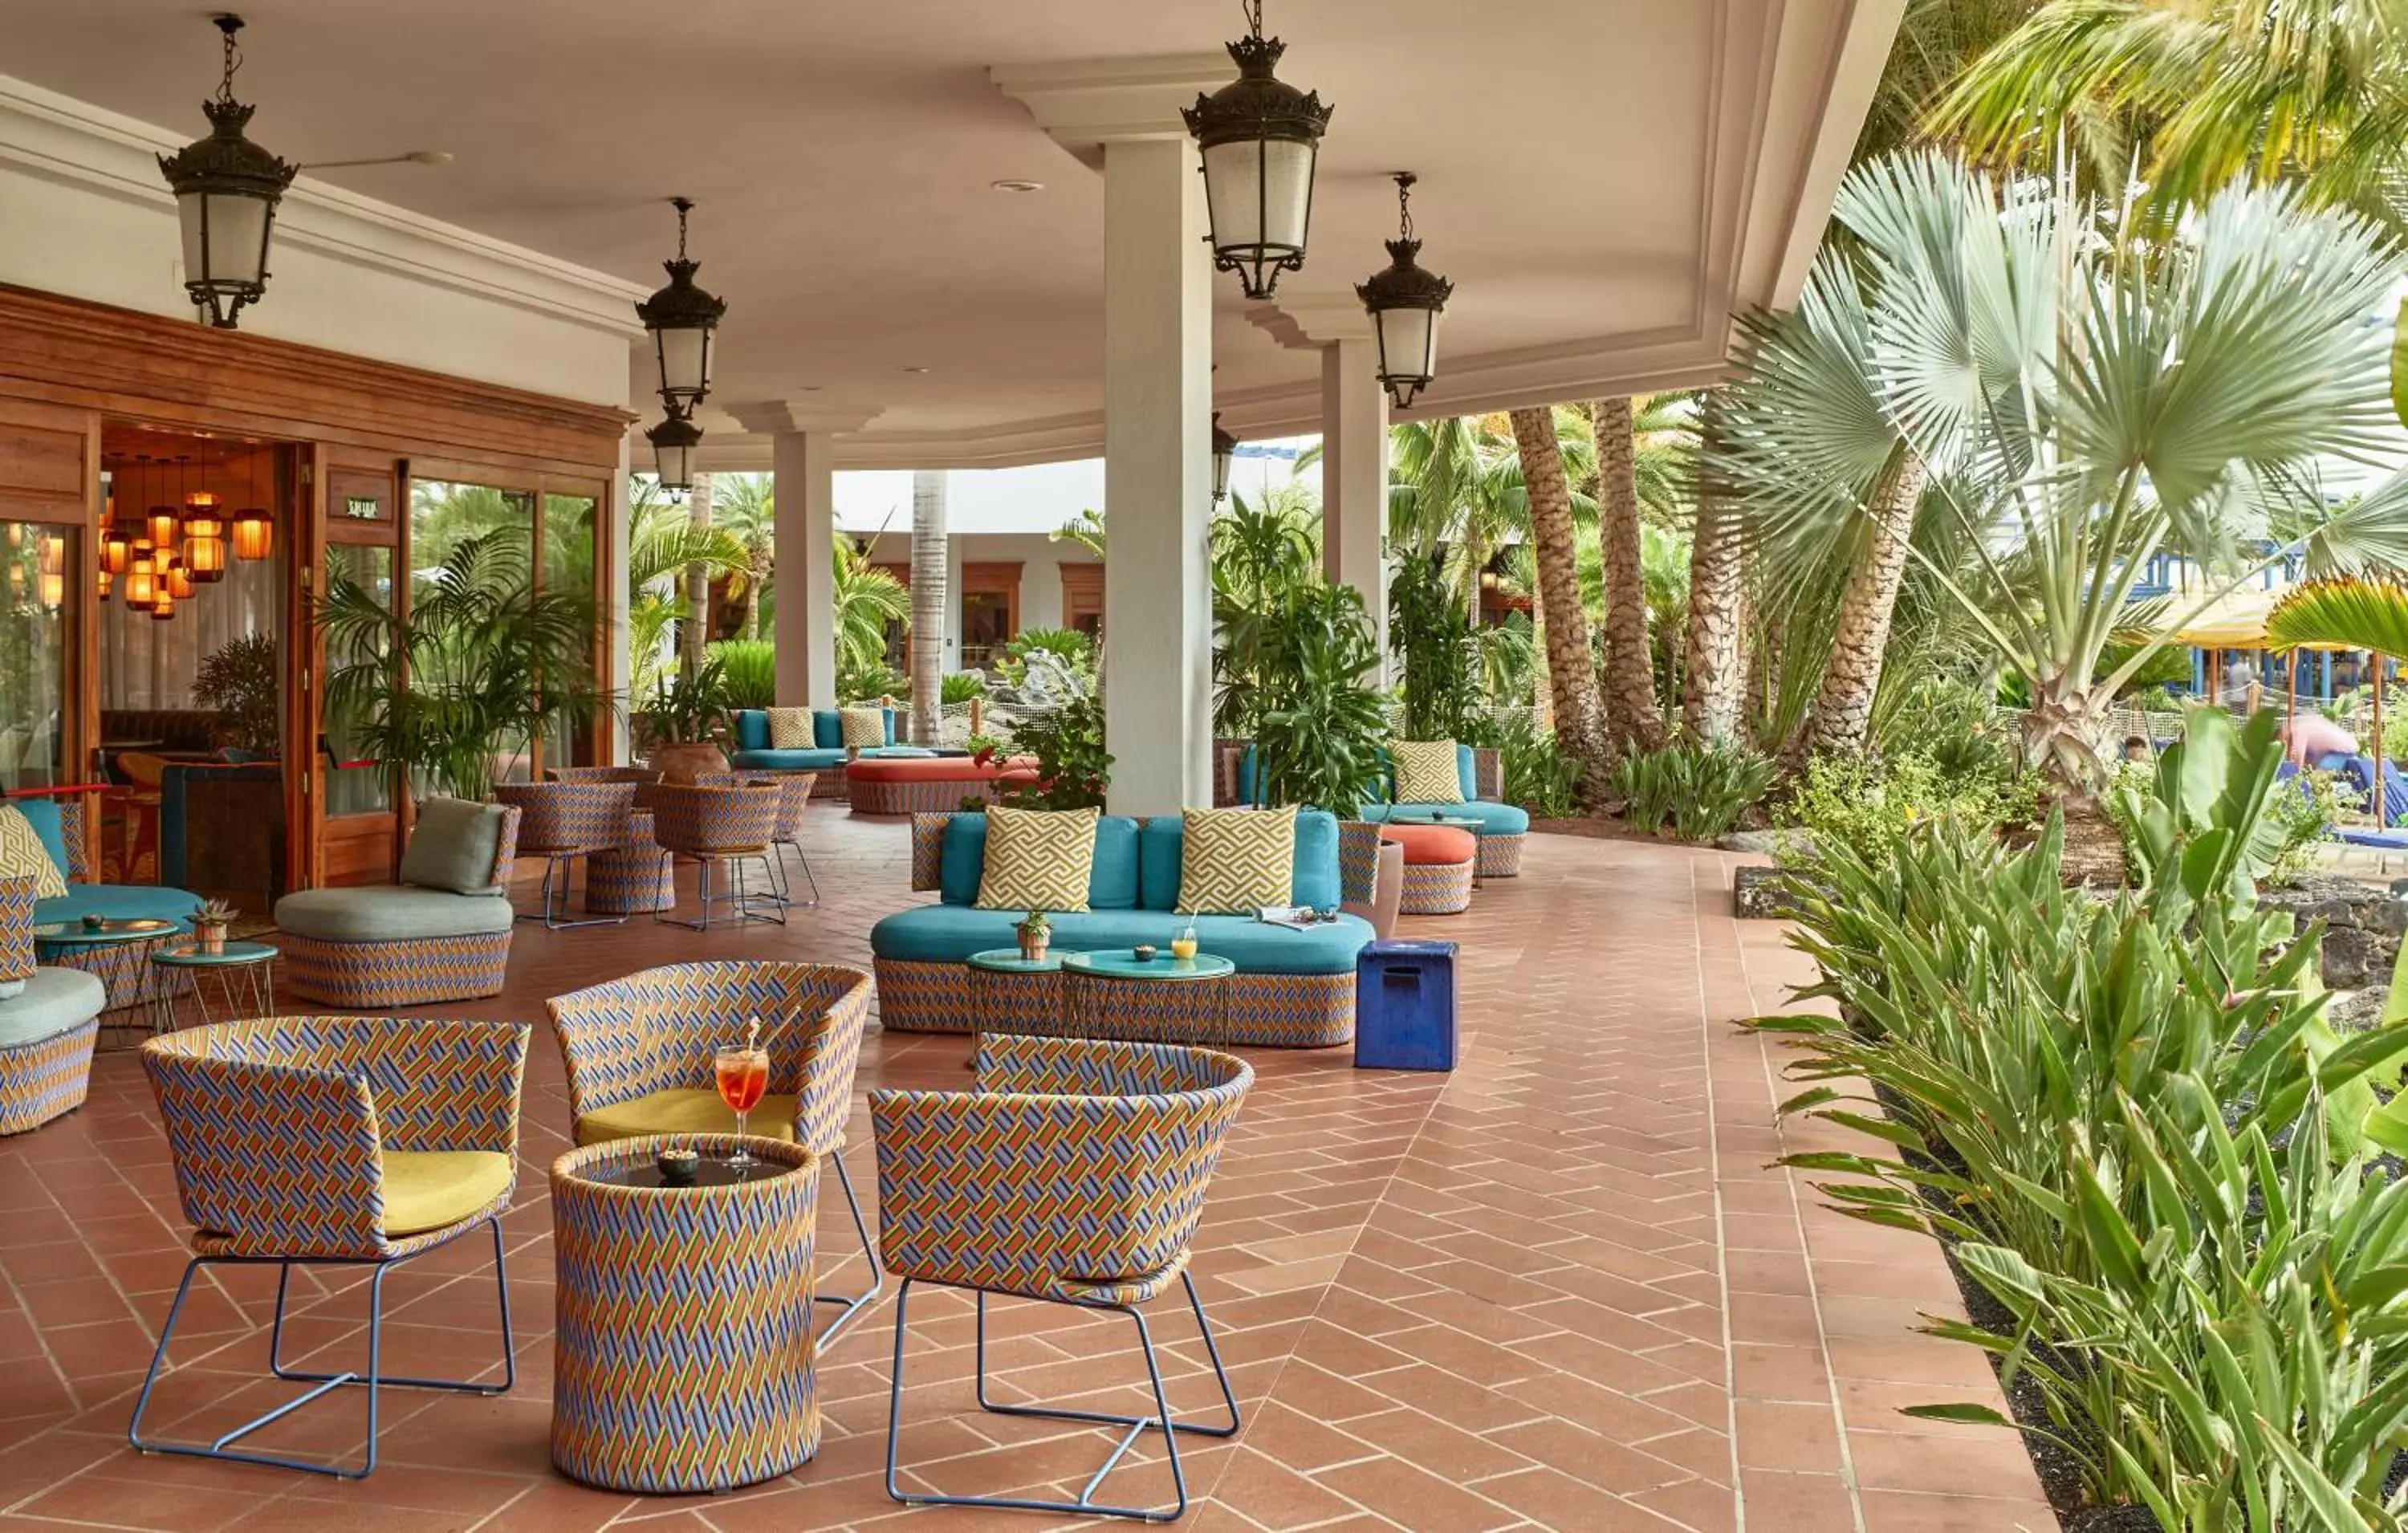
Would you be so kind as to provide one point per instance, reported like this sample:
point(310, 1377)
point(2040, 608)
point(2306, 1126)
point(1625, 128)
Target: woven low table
point(683, 1358)
point(632, 878)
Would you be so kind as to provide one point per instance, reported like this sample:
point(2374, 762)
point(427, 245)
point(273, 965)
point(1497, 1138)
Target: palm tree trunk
point(697, 585)
point(928, 603)
point(1843, 707)
point(1632, 720)
point(1717, 670)
point(1542, 695)
point(1571, 679)
point(754, 577)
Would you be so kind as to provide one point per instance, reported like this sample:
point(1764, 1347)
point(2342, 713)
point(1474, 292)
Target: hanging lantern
point(55, 553)
point(1261, 137)
point(141, 583)
point(54, 590)
point(1225, 448)
point(206, 558)
point(204, 529)
point(201, 510)
point(682, 318)
point(226, 190)
point(163, 605)
point(255, 534)
point(161, 525)
point(673, 443)
point(1405, 302)
point(175, 579)
point(105, 582)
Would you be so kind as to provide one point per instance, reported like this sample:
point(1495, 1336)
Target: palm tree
point(747, 506)
point(1086, 529)
point(662, 543)
point(696, 632)
point(2188, 96)
point(2023, 362)
point(1630, 712)
point(1579, 730)
point(928, 577)
point(867, 600)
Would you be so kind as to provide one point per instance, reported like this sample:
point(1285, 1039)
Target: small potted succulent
point(1036, 934)
point(210, 918)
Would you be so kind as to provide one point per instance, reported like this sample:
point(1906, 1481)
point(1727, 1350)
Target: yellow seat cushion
point(428, 1189)
point(685, 1110)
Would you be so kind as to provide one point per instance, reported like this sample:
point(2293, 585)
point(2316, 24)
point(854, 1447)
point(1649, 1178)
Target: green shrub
point(749, 667)
point(242, 682)
point(1073, 768)
point(1850, 800)
point(868, 683)
point(1701, 790)
point(1953, 725)
point(961, 686)
point(1535, 774)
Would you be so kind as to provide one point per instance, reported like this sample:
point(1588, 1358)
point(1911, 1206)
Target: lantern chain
point(1253, 9)
point(229, 25)
point(1405, 180)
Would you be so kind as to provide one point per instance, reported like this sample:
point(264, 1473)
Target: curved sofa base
point(1265, 1010)
point(412, 972)
point(1500, 856)
point(46, 1078)
point(1435, 889)
point(933, 795)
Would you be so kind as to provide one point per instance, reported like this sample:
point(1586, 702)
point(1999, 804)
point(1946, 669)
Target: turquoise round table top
point(1009, 961)
point(1465, 820)
point(190, 956)
point(1123, 964)
point(77, 933)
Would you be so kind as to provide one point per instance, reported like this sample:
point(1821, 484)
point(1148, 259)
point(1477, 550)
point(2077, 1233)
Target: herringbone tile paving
point(1558, 1288)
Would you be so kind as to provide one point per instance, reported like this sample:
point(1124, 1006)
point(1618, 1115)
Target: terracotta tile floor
point(1558, 1288)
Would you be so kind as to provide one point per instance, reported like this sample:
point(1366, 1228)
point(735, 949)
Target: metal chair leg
point(555, 914)
point(851, 1308)
point(798, 847)
point(1135, 1427)
point(323, 1383)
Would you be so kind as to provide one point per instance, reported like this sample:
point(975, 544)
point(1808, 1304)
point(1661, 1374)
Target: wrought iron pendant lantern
point(226, 191)
point(1261, 140)
point(674, 441)
point(1405, 302)
point(1225, 448)
point(682, 318)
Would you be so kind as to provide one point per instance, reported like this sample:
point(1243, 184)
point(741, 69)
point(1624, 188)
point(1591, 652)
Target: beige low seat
point(390, 914)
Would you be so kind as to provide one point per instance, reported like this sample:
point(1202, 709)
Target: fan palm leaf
point(2352, 611)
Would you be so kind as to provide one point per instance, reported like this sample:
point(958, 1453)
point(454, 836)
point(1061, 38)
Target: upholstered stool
point(632, 878)
point(683, 1357)
point(1439, 864)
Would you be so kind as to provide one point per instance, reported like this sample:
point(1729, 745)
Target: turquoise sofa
point(1502, 826)
point(68, 828)
point(1293, 988)
point(826, 752)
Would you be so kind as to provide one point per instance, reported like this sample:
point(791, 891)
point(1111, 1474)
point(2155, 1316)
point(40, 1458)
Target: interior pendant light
point(204, 530)
point(54, 590)
point(1225, 448)
point(175, 579)
point(226, 190)
point(1261, 138)
point(55, 553)
point(682, 318)
point(141, 583)
point(163, 605)
point(1405, 302)
point(105, 584)
point(254, 529)
point(674, 441)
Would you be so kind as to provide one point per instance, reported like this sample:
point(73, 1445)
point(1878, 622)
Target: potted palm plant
point(685, 722)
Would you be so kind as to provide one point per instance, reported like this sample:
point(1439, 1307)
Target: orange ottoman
point(928, 784)
point(1438, 863)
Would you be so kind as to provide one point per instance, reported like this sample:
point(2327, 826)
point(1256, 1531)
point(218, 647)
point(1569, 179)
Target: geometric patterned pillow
point(1426, 772)
point(1234, 862)
point(790, 729)
point(865, 728)
point(1038, 859)
point(23, 855)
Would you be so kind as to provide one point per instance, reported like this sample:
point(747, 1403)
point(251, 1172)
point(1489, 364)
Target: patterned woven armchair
point(563, 823)
point(1076, 1175)
point(360, 1141)
point(733, 824)
point(639, 1049)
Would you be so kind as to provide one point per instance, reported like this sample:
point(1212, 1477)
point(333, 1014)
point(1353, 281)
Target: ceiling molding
point(1307, 323)
point(1085, 104)
point(58, 136)
point(770, 417)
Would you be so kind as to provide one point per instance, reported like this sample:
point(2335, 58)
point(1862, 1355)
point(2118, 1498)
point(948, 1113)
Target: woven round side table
point(683, 1356)
point(632, 878)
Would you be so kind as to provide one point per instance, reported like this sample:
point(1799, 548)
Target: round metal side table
point(1113, 994)
point(245, 974)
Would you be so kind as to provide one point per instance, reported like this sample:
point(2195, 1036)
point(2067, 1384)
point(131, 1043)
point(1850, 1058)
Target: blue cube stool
point(1404, 1007)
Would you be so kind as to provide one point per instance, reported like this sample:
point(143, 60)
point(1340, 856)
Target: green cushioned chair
point(442, 935)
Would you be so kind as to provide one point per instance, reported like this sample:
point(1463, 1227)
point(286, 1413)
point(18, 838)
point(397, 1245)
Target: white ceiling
point(1606, 180)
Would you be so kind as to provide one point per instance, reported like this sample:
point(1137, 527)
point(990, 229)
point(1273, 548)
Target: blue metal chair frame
point(743, 900)
point(325, 1383)
point(850, 1307)
point(556, 917)
point(1137, 1425)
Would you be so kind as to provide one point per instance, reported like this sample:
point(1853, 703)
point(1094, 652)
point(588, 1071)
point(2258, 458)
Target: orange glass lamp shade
point(254, 535)
point(205, 555)
point(54, 590)
point(105, 582)
point(141, 586)
point(161, 526)
point(200, 506)
point(164, 607)
point(178, 582)
point(55, 554)
point(116, 551)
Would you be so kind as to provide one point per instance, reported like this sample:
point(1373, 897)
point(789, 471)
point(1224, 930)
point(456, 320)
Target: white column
point(1157, 477)
point(1354, 478)
point(804, 624)
point(619, 679)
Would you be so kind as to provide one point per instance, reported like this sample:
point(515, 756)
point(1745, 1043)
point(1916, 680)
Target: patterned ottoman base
point(1265, 1010)
point(633, 878)
point(1435, 889)
point(1500, 856)
point(44, 1079)
point(683, 1359)
point(932, 796)
point(125, 970)
point(414, 972)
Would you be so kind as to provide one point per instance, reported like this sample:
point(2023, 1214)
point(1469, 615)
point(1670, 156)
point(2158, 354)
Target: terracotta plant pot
point(1033, 948)
point(212, 939)
point(682, 764)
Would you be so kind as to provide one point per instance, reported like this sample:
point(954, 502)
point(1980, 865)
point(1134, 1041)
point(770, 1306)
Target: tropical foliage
point(242, 680)
point(1319, 723)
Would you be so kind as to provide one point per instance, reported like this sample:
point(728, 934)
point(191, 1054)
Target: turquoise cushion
point(43, 815)
point(117, 902)
point(1317, 882)
point(391, 914)
point(54, 1001)
point(1495, 819)
point(948, 934)
point(788, 761)
point(1112, 882)
point(752, 730)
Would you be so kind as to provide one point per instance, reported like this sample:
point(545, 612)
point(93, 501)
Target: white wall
point(84, 213)
point(1041, 576)
point(1036, 500)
